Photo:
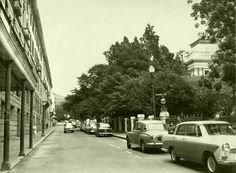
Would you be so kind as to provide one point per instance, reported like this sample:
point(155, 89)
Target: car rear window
point(105, 125)
point(219, 129)
point(68, 125)
point(155, 126)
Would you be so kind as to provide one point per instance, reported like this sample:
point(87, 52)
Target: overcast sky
point(77, 32)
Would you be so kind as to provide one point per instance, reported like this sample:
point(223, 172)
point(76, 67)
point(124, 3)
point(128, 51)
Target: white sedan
point(210, 142)
point(68, 127)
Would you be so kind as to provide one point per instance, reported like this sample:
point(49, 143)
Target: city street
point(80, 152)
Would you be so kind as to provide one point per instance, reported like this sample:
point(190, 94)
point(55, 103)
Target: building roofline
point(202, 41)
point(41, 38)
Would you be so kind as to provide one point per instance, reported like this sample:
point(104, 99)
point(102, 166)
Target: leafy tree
point(219, 18)
point(123, 86)
point(128, 56)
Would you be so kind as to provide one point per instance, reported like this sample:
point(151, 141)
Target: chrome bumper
point(154, 145)
point(230, 160)
point(104, 133)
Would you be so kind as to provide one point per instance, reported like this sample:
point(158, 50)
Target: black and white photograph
point(117, 86)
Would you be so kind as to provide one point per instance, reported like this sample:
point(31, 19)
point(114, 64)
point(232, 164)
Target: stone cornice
point(35, 12)
point(192, 61)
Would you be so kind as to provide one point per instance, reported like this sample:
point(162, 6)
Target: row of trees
point(122, 87)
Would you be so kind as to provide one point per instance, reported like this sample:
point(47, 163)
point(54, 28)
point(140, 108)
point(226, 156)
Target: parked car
point(103, 129)
point(146, 134)
point(73, 121)
point(68, 127)
point(90, 127)
point(210, 142)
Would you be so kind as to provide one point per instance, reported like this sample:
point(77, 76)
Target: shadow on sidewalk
point(15, 146)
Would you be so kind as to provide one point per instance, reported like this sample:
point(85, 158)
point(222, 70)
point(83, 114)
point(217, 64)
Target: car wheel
point(211, 164)
point(127, 142)
point(142, 146)
point(64, 131)
point(173, 156)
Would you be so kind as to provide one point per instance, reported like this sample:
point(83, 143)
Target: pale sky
point(77, 32)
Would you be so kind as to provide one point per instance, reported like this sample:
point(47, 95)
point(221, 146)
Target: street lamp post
point(152, 71)
point(164, 114)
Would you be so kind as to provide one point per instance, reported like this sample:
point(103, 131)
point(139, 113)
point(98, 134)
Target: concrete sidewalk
point(119, 135)
point(15, 147)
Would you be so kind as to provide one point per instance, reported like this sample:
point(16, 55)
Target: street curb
point(27, 152)
point(117, 136)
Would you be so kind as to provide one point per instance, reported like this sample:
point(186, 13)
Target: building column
point(31, 119)
point(43, 118)
point(43, 121)
point(22, 124)
point(6, 164)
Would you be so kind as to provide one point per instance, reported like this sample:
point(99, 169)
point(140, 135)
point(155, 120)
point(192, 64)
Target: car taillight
point(159, 138)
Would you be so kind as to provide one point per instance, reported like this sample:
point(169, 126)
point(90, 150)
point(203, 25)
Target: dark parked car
point(146, 134)
point(90, 128)
point(103, 129)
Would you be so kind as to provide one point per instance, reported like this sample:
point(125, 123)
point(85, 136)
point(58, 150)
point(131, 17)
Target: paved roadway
point(82, 153)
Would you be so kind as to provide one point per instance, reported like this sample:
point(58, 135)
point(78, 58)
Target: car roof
point(150, 121)
point(205, 122)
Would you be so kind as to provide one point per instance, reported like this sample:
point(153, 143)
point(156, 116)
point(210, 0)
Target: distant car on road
point(210, 142)
point(146, 134)
point(90, 127)
point(103, 129)
point(68, 127)
point(73, 121)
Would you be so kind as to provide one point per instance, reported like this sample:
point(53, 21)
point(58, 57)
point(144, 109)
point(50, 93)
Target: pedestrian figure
point(171, 128)
point(179, 119)
point(217, 116)
point(34, 130)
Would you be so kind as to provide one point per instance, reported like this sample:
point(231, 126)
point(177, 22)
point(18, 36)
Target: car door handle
point(183, 139)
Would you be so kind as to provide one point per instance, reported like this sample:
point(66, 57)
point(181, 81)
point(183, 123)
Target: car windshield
point(92, 125)
point(219, 129)
point(155, 126)
point(105, 125)
point(68, 125)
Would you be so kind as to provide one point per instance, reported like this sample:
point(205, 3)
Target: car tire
point(64, 131)
point(211, 164)
point(128, 143)
point(143, 147)
point(174, 158)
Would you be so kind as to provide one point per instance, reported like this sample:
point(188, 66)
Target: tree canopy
point(123, 86)
point(219, 18)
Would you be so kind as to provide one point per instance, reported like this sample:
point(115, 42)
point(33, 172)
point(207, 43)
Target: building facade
point(199, 57)
point(25, 79)
point(59, 100)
